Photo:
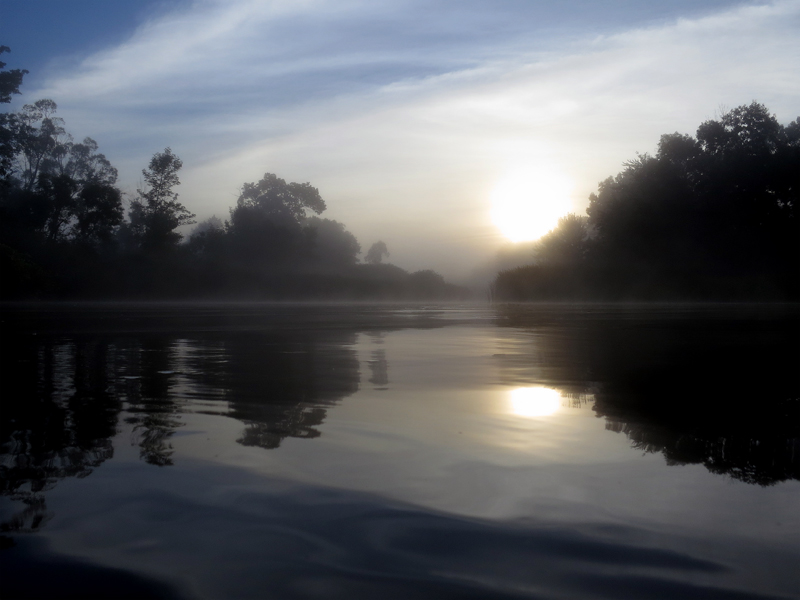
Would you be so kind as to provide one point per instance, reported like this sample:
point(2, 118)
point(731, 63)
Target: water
point(393, 451)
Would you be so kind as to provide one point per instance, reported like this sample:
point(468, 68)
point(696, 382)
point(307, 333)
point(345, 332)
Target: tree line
point(65, 231)
point(709, 217)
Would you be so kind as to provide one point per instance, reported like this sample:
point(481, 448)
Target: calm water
point(257, 451)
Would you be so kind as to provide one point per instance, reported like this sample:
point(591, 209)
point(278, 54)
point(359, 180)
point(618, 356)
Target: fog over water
point(406, 116)
point(399, 300)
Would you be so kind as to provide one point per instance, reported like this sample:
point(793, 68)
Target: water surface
point(331, 451)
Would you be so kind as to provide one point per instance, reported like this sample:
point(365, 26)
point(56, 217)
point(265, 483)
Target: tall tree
point(709, 216)
point(10, 81)
point(267, 225)
point(566, 244)
point(78, 195)
point(43, 142)
point(280, 200)
point(64, 191)
point(333, 245)
point(376, 253)
point(157, 213)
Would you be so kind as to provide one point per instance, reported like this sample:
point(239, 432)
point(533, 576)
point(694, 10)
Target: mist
point(406, 299)
point(404, 124)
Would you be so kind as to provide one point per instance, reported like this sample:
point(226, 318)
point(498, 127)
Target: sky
point(422, 123)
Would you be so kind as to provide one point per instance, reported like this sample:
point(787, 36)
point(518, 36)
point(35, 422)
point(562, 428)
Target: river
point(399, 451)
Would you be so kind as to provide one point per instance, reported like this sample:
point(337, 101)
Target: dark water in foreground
point(400, 452)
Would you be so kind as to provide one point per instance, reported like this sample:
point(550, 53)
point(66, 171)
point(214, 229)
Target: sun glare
point(534, 401)
point(526, 204)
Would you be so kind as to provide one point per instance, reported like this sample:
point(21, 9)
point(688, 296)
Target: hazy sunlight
point(535, 401)
point(526, 204)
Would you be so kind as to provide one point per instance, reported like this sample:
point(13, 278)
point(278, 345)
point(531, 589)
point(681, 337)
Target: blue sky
point(405, 115)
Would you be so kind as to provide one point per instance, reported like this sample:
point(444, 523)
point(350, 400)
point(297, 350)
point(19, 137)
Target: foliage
point(157, 213)
point(376, 253)
point(566, 244)
point(266, 225)
point(56, 189)
point(10, 81)
point(280, 200)
point(708, 217)
point(63, 232)
point(332, 244)
point(43, 142)
point(212, 223)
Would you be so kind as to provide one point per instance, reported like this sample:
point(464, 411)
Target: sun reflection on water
point(534, 401)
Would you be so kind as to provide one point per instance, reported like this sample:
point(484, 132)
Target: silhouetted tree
point(749, 186)
point(714, 216)
point(266, 226)
point(213, 223)
point(207, 241)
point(43, 142)
point(10, 81)
point(156, 214)
point(77, 197)
point(566, 244)
point(62, 190)
point(376, 253)
point(63, 232)
point(333, 245)
point(280, 200)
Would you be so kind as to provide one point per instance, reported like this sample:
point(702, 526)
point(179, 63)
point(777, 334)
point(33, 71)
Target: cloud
point(404, 115)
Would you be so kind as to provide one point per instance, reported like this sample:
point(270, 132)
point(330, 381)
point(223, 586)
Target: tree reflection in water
point(279, 384)
point(378, 364)
point(153, 408)
point(59, 414)
point(62, 398)
point(715, 386)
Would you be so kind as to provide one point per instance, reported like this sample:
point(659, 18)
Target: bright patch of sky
point(404, 114)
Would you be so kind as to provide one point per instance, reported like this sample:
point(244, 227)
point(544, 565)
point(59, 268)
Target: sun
point(527, 203)
point(534, 401)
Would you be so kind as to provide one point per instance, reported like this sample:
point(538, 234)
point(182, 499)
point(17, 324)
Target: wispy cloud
point(405, 114)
